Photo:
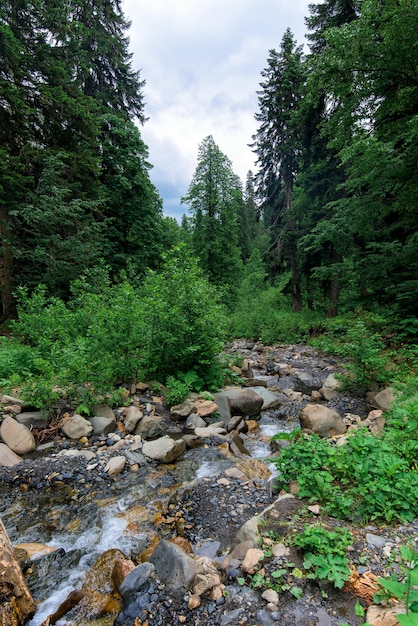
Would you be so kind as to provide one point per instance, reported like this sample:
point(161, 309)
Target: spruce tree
point(277, 145)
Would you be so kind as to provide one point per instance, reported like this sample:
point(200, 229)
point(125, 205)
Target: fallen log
point(16, 602)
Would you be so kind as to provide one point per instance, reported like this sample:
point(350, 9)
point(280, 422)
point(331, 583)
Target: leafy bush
point(325, 553)
point(184, 324)
point(108, 334)
point(368, 478)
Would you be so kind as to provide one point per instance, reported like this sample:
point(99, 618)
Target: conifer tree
point(277, 145)
point(214, 198)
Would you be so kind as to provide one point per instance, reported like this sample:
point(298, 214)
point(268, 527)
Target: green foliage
point(362, 347)
point(404, 590)
point(325, 553)
point(183, 320)
point(368, 478)
point(179, 386)
point(108, 334)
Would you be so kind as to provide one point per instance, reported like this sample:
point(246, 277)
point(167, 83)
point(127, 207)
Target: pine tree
point(277, 145)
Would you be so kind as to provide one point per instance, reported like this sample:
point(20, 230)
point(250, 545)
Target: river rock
point(135, 580)
point(321, 420)
point(194, 421)
point(210, 431)
point(176, 569)
point(102, 410)
point(181, 411)
point(7, 457)
point(33, 419)
point(132, 416)
point(115, 465)
point(245, 402)
point(16, 436)
point(6, 399)
point(165, 449)
point(77, 427)
point(103, 425)
point(149, 427)
point(206, 408)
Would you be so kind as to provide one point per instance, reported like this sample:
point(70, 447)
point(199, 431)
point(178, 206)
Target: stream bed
point(69, 506)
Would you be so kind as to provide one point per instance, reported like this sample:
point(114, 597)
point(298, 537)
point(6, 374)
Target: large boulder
point(76, 427)
point(322, 421)
point(16, 436)
point(165, 449)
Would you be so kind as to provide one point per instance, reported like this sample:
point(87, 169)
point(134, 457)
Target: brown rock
point(321, 420)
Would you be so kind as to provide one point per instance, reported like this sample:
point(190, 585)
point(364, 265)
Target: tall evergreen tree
point(214, 196)
point(320, 176)
point(277, 145)
point(69, 93)
point(375, 133)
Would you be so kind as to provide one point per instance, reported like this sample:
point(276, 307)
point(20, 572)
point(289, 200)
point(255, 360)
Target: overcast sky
point(202, 62)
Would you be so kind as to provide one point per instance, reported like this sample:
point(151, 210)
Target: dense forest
point(98, 287)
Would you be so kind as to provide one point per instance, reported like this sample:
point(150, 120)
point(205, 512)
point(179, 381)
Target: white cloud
point(202, 62)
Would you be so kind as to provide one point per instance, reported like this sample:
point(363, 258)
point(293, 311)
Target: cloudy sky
point(202, 62)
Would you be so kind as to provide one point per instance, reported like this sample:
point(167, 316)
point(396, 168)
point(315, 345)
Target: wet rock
point(8, 458)
point(149, 427)
point(77, 427)
point(321, 420)
point(176, 569)
point(165, 449)
point(135, 580)
point(237, 446)
point(16, 436)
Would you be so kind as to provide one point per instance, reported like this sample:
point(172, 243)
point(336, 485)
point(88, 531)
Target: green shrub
point(325, 553)
point(184, 324)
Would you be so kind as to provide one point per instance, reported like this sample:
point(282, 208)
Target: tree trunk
point(16, 603)
point(334, 294)
point(8, 306)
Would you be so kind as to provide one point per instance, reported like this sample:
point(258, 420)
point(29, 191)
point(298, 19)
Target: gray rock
point(195, 421)
point(76, 427)
point(135, 580)
point(176, 569)
point(16, 436)
point(103, 425)
point(321, 420)
point(103, 410)
point(384, 399)
point(33, 419)
point(375, 540)
point(149, 427)
point(135, 457)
